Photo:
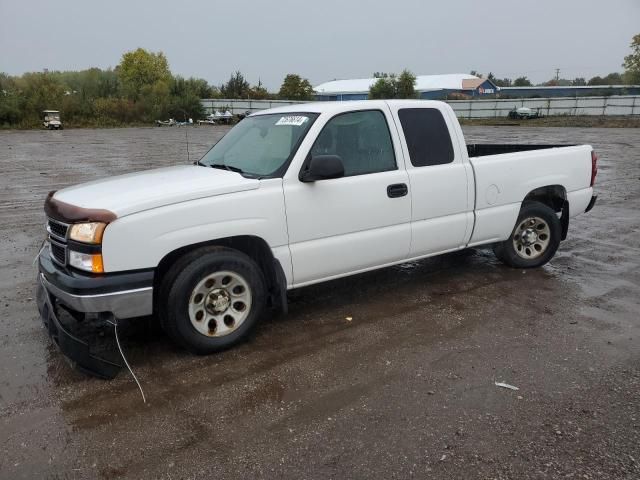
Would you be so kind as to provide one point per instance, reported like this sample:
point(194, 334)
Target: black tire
point(507, 251)
point(179, 283)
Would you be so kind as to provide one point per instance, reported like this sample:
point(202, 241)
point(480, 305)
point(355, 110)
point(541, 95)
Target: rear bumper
point(125, 295)
point(592, 202)
point(579, 201)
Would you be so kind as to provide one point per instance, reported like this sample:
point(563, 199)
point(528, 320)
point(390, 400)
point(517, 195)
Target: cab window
point(361, 139)
point(428, 138)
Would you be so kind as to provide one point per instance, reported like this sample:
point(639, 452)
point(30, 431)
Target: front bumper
point(79, 311)
point(125, 295)
point(77, 350)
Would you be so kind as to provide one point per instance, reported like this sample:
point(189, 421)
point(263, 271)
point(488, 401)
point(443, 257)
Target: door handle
point(397, 190)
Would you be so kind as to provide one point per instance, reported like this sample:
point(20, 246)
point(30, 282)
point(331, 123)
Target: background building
point(439, 87)
point(427, 86)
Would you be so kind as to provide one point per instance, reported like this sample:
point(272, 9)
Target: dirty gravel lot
point(405, 389)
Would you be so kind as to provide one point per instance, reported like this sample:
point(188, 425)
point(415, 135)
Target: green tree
point(197, 87)
point(522, 82)
point(11, 102)
point(294, 87)
point(156, 99)
point(140, 69)
point(611, 79)
point(390, 86)
point(499, 82)
point(406, 85)
point(384, 88)
point(236, 87)
point(258, 92)
point(632, 63)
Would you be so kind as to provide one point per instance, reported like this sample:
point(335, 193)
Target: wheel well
point(555, 197)
point(254, 247)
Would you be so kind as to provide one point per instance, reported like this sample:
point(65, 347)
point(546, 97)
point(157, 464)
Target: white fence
point(495, 108)
point(627, 105)
point(241, 106)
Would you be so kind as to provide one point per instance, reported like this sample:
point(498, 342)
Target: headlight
point(87, 232)
point(89, 262)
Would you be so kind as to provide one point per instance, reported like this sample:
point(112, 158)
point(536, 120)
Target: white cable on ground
point(115, 329)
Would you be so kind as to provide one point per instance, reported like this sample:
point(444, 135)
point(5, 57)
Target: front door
point(357, 222)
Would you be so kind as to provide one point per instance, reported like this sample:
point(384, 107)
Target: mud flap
point(279, 293)
point(564, 220)
point(76, 350)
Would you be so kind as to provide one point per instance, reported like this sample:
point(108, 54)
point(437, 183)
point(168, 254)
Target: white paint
point(332, 228)
point(146, 190)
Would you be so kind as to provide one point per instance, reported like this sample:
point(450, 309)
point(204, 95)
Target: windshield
point(260, 145)
point(52, 116)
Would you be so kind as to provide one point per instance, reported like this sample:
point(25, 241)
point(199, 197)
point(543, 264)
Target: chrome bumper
point(123, 304)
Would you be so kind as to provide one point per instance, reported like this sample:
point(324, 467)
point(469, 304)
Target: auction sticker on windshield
point(293, 120)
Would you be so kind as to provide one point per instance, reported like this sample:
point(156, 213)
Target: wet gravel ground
point(403, 389)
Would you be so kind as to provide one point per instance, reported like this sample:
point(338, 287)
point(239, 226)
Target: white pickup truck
point(291, 197)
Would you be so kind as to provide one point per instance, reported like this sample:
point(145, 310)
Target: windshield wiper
point(224, 166)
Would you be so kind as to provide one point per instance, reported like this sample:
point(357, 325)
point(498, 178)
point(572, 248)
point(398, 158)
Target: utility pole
point(557, 74)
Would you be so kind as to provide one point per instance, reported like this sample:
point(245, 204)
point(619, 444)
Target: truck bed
point(484, 149)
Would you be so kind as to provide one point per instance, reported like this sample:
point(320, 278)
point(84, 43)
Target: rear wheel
point(214, 298)
point(534, 240)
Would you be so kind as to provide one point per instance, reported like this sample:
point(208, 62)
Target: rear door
point(441, 179)
point(357, 222)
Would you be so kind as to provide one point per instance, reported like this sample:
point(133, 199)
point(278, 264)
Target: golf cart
point(52, 120)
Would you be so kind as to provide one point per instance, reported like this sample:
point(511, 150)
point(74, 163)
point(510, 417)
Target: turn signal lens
point(594, 167)
point(87, 232)
point(89, 262)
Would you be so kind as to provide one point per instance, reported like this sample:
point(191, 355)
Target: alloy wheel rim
point(219, 304)
point(531, 238)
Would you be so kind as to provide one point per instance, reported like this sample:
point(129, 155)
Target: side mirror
point(323, 167)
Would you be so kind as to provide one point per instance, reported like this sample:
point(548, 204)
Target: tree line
point(140, 89)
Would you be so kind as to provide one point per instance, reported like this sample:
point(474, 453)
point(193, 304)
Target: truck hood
point(135, 192)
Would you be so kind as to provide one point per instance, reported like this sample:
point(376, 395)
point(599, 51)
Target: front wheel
point(534, 239)
point(214, 298)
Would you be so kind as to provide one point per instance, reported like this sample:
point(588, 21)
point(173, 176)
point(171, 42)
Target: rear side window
point(427, 136)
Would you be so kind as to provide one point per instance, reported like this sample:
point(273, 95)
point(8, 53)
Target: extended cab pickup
point(294, 196)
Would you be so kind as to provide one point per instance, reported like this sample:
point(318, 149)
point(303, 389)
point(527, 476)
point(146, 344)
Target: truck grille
point(58, 241)
point(57, 230)
point(58, 252)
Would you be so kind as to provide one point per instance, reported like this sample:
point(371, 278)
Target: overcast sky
point(323, 39)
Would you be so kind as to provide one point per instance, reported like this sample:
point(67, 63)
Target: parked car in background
point(51, 120)
point(295, 196)
point(523, 113)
